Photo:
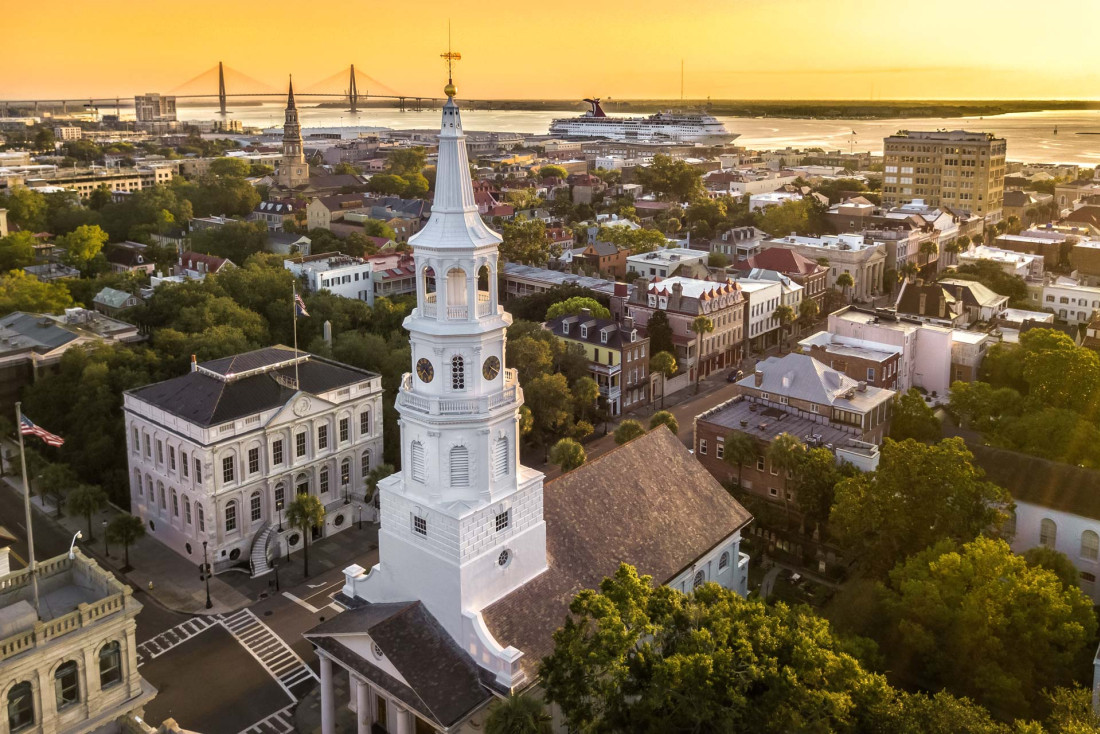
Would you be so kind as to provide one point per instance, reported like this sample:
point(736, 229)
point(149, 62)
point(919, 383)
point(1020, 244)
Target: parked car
point(735, 375)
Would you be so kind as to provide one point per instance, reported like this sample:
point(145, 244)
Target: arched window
point(324, 480)
point(500, 456)
point(364, 465)
point(456, 291)
point(20, 706)
point(66, 684)
point(364, 423)
point(458, 373)
point(1090, 545)
point(301, 484)
point(700, 579)
point(723, 560)
point(345, 473)
point(460, 466)
point(175, 504)
point(254, 508)
point(1048, 532)
point(417, 462)
point(110, 665)
point(202, 519)
point(231, 516)
point(186, 510)
point(149, 489)
point(137, 483)
point(160, 491)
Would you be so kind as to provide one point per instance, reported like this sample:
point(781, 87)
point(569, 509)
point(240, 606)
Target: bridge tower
point(353, 92)
point(221, 89)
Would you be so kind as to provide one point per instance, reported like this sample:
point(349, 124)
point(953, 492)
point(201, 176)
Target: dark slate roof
point(909, 301)
point(444, 682)
point(24, 330)
point(208, 400)
point(667, 511)
point(1041, 482)
point(617, 335)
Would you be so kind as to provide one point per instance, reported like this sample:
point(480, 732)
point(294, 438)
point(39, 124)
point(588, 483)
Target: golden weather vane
point(450, 57)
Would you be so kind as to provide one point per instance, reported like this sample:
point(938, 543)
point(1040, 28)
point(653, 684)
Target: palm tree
point(785, 454)
point(784, 314)
point(664, 364)
point(845, 281)
point(808, 311)
point(664, 418)
point(376, 475)
point(701, 325)
point(908, 270)
point(928, 248)
point(953, 248)
point(518, 715)
point(739, 449)
point(305, 513)
point(125, 529)
point(628, 430)
point(86, 500)
point(55, 480)
point(1013, 225)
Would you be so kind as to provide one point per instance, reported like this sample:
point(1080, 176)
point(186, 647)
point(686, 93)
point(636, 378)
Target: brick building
point(618, 357)
point(802, 270)
point(682, 300)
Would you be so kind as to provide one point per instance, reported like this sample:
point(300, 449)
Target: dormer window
point(565, 327)
point(584, 331)
point(603, 337)
point(634, 335)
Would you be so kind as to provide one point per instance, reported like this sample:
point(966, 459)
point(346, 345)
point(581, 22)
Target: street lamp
point(78, 535)
point(279, 509)
point(275, 568)
point(106, 550)
point(359, 514)
point(206, 575)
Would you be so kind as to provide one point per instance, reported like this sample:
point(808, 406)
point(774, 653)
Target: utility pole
point(221, 89)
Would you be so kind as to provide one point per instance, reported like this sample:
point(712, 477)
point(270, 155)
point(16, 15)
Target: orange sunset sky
point(747, 49)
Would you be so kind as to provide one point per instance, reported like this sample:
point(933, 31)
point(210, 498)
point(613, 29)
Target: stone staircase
point(258, 559)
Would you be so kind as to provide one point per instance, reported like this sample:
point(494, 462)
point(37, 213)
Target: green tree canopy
point(635, 240)
point(518, 714)
point(628, 430)
point(82, 245)
point(16, 251)
point(660, 334)
point(913, 418)
point(22, 292)
point(525, 241)
point(920, 494)
point(635, 657)
point(671, 179)
point(567, 454)
point(664, 418)
point(956, 616)
point(126, 530)
point(573, 306)
point(304, 513)
point(378, 228)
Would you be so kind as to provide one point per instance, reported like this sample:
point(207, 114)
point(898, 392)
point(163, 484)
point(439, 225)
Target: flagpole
point(27, 506)
point(294, 310)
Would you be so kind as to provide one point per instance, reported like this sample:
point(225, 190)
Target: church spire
point(290, 95)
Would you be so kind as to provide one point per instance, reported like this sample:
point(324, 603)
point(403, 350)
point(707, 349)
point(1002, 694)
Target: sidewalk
point(176, 582)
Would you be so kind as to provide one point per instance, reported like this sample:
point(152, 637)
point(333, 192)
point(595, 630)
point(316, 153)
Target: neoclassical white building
point(477, 564)
point(216, 455)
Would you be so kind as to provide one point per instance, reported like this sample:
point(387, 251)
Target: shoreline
point(782, 109)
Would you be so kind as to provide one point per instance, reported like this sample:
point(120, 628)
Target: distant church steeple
point(293, 170)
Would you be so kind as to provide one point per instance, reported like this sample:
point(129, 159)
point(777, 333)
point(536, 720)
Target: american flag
point(30, 429)
point(300, 305)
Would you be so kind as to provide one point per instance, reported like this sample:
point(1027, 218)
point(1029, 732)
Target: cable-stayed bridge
point(222, 84)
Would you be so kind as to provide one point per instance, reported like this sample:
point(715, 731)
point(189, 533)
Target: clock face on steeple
point(424, 369)
point(491, 368)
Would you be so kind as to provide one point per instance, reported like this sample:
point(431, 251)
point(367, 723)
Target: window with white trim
point(256, 512)
point(228, 470)
point(458, 373)
point(254, 460)
point(500, 456)
point(703, 446)
point(231, 516)
point(420, 525)
point(503, 520)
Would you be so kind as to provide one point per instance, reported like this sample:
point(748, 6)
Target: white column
point(328, 711)
point(362, 706)
point(404, 719)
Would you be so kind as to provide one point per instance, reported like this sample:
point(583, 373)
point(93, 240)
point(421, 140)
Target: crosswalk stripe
point(170, 638)
point(270, 650)
point(280, 722)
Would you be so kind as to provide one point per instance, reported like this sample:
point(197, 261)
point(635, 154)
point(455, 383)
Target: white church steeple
point(461, 525)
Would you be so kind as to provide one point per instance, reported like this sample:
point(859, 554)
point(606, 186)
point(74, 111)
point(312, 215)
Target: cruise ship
point(663, 127)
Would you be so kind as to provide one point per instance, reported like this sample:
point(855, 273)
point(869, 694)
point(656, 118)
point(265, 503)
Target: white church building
point(477, 560)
